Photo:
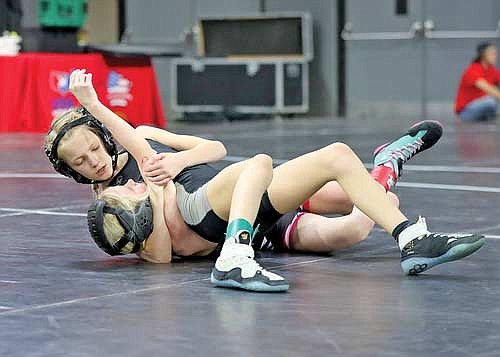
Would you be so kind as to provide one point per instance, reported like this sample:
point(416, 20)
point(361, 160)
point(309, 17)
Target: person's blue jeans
point(481, 109)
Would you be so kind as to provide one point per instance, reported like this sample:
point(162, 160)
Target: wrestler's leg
point(332, 199)
point(420, 249)
point(237, 190)
point(329, 199)
point(388, 161)
point(315, 233)
point(298, 179)
point(235, 195)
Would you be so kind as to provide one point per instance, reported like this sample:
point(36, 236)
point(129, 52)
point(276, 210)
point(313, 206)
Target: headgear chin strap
point(138, 225)
point(105, 135)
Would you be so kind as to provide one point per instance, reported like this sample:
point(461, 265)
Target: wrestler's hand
point(80, 84)
point(163, 167)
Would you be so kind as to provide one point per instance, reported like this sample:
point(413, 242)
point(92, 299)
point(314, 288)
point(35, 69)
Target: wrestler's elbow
point(220, 148)
point(156, 258)
point(143, 131)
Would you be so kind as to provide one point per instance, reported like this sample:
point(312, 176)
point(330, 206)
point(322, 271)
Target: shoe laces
point(250, 262)
point(436, 235)
point(407, 151)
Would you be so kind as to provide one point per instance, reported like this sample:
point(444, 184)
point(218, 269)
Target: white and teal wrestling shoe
point(237, 268)
point(418, 138)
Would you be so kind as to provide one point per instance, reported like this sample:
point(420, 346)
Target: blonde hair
point(58, 123)
point(111, 226)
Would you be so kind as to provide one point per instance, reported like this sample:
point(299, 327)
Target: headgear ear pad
point(103, 132)
point(137, 225)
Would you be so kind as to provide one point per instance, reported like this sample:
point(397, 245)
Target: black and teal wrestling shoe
point(237, 268)
point(418, 138)
point(426, 250)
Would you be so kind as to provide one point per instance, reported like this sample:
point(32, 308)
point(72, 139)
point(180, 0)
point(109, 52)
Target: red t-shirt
point(467, 91)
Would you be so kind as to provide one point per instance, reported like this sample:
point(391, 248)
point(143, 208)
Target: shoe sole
point(414, 266)
point(437, 130)
point(426, 121)
point(256, 286)
point(410, 132)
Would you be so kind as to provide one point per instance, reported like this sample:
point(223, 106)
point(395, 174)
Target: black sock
point(399, 228)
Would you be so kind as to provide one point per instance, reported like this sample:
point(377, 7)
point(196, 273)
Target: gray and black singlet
point(191, 186)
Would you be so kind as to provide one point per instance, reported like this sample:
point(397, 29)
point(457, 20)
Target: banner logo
point(59, 82)
point(118, 90)
point(61, 105)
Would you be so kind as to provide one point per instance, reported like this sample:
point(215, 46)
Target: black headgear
point(105, 135)
point(138, 225)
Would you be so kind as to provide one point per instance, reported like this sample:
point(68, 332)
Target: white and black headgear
point(137, 224)
point(105, 135)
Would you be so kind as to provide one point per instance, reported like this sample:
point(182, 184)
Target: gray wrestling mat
point(61, 296)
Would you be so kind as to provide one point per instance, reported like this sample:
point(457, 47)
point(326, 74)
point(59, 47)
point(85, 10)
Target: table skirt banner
point(34, 89)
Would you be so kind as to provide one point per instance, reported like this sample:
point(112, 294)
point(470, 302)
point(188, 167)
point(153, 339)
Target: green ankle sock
point(240, 229)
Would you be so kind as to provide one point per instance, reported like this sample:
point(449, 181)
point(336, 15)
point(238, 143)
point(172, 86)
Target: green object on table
point(62, 13)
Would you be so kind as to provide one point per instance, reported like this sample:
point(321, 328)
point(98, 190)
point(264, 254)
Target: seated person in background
point(478, 94)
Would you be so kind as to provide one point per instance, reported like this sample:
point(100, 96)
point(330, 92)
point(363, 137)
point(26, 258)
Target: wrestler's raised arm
point(158, 246)
point(82, 88)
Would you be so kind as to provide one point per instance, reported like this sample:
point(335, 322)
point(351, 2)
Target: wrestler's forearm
point(122, 131)
point(196, 150)
point(82, 88)
point(203, 153)
point(158, 247)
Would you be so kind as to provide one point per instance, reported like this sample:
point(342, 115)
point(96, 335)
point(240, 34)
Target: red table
point(34, 89)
